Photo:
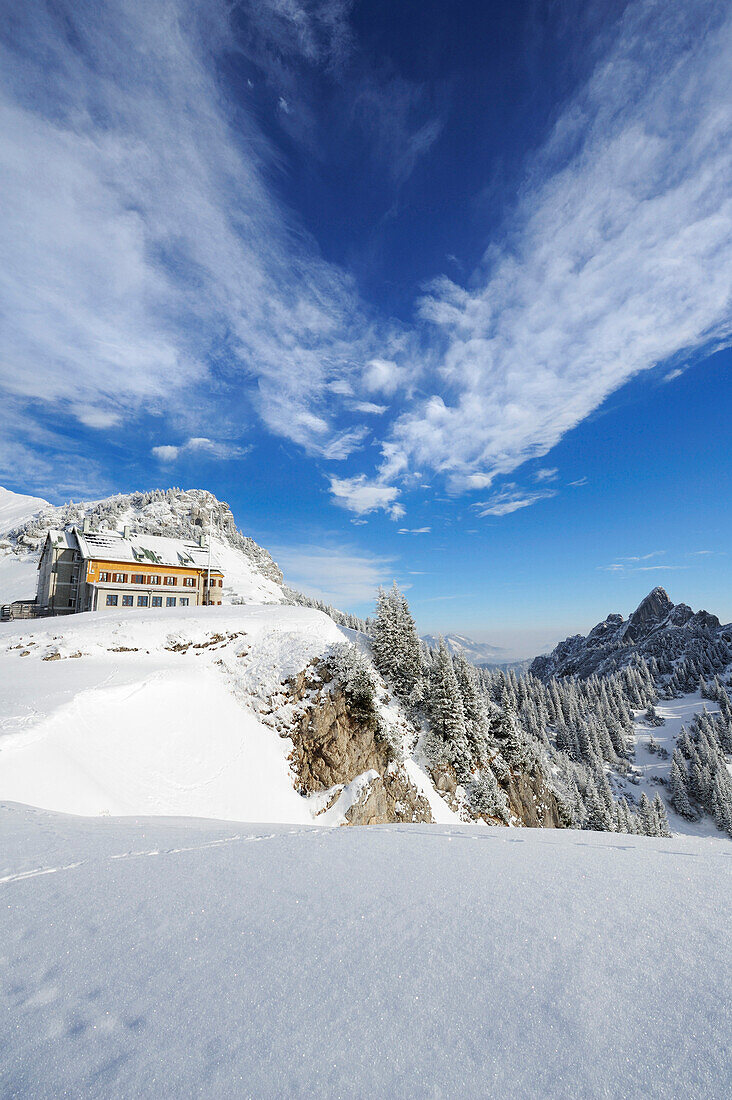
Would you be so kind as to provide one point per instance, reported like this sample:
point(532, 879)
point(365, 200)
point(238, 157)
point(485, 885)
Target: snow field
point(180, 958)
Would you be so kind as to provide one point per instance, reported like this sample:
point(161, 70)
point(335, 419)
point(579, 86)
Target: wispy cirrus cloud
point(511, 498)
point(139, 223)
point(616, 258)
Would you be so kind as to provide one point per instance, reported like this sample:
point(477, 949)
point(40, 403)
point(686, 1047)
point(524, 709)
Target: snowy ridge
point(17, 509)
point(478, 653)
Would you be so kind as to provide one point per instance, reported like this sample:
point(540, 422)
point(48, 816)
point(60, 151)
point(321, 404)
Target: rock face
point(389, 798)
point(657, 629)
point(649, 614)
point(532, 802)
point(331, 748)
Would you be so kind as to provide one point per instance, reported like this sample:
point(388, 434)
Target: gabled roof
point(147, 550)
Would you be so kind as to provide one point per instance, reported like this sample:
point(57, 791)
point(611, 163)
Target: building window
point(142, 601)
point(157, 601)
point(184, 601)
point(189, 582)
point(120, 578)
point(127, 601)
point(138, 578)
point(170, 580)
point(170, 601)
point(111, 600)
point(105, 576)
point(154, 579)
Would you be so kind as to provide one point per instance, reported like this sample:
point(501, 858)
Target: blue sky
point(440, 292)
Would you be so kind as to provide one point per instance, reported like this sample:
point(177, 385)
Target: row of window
point(146, 601)
point(152, 579)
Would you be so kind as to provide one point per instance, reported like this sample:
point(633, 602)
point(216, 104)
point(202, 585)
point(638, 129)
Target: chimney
point(86, 525)
point(202, 538)
point(126, 531)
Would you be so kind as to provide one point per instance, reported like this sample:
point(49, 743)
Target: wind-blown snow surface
point(187, 958)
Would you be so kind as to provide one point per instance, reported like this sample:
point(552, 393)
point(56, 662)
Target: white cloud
point(210, 447)
point(673, 375)
point(414, 530)
point(579, 482)
point(510, 499)
point(369, 408)
point(166, 452)
point(617, 257)
point(546, 474)
point(381, 376)
point(362, 496)
point(344, 444)
point(340, 575)
point(140, 225)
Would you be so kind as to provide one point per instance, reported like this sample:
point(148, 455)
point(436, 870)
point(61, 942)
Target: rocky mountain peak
point(649, 613)
point(658, 629)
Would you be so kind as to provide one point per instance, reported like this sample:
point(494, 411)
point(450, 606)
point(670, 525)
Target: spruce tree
point(446, 742)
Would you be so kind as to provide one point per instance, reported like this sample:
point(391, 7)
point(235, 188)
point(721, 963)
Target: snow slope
point(154, 712)
point(149, 958)
point(652, 771)
point(164, 711)
point(17, 574)
point(15, 508)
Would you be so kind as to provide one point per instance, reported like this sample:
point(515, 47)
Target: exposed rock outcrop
point(533, 802)
point(332, 748)
point(389, 798)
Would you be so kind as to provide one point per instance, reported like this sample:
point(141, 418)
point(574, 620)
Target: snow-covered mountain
point(251, 576)
point(478, 653)
point(657, 630)
point(16, 509)
point(17, 565)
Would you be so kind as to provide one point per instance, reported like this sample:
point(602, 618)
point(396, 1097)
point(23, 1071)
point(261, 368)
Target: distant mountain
point(478, 653)
point(658, 629)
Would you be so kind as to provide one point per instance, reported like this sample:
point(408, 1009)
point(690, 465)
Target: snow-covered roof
point(62, 538)
point(143, 549)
